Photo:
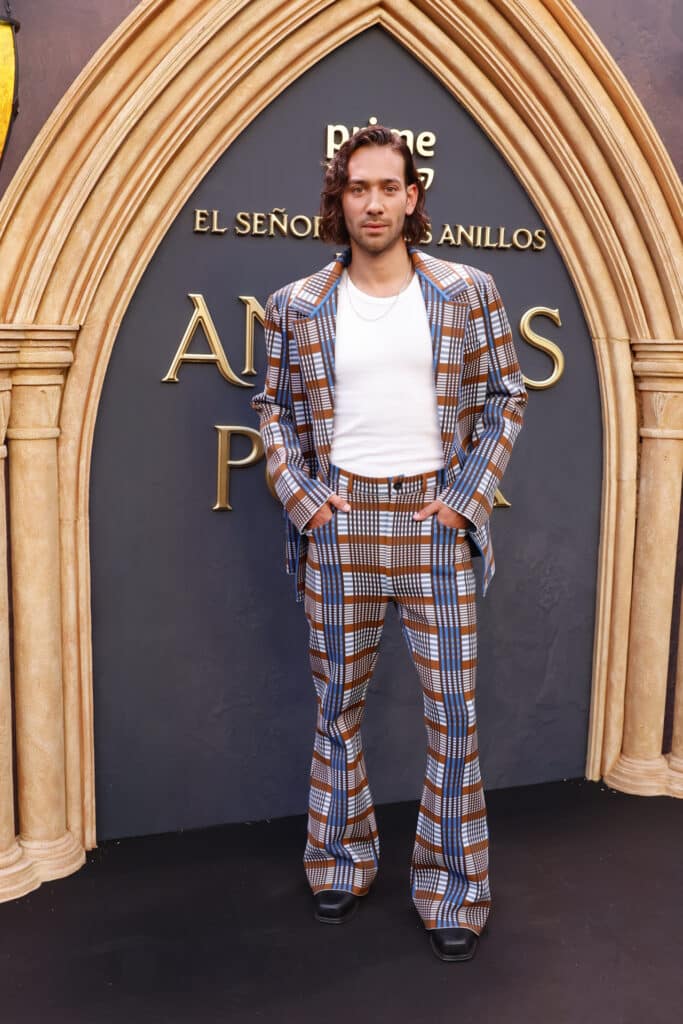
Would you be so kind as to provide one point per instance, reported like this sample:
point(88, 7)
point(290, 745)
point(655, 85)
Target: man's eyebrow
point(363, 181)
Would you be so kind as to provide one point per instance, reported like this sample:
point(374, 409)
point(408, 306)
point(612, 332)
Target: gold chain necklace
point(388, 309)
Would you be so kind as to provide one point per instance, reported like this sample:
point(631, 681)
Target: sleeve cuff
point(302, 511)
point(471, 510)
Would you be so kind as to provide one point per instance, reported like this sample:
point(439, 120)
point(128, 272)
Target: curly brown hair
point(332, 224)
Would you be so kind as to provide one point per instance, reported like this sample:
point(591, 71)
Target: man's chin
point(377, 246)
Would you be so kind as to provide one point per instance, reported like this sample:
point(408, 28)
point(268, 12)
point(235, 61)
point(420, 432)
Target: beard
point(379, 243)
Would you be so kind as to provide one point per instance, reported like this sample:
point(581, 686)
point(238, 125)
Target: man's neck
point(382, 274)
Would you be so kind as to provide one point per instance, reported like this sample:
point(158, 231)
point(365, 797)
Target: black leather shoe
point(334, 906)
point(453, 943)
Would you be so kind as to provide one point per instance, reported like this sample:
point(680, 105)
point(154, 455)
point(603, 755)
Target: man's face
point(376, 200)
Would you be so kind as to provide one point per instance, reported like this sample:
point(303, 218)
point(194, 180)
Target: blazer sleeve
point(500, 420)
point(289, 467)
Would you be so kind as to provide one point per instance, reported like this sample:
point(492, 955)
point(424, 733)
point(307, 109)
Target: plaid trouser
point(357, 563)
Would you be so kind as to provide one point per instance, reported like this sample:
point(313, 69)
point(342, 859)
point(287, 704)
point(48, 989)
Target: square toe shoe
point(453, 944)
point(334, 906)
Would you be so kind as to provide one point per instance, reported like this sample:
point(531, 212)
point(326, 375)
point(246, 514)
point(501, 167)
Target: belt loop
point(350, 485)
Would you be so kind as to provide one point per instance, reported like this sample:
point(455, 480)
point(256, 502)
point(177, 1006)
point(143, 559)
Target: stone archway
point(155, 108)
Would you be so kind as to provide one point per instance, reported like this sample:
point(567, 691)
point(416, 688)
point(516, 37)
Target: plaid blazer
point(479, 388)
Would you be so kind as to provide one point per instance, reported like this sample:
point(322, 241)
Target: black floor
point(216, 925)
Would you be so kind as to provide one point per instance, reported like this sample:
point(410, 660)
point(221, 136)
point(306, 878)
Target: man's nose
point(375, 200)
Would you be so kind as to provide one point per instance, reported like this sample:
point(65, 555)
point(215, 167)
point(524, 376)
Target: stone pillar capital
point(658, 364)
point(9, 354)
point(658, 371)
point(34, 407)
point(37, 346)
point(34, 359)
point(662, 414)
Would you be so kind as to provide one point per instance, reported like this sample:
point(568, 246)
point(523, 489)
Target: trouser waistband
point(346, 484)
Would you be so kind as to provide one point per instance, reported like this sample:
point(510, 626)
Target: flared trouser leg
point(342, 847)
point(357, 563)
point(449, 869)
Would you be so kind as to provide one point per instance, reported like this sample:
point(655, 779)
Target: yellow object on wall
point(7, 80)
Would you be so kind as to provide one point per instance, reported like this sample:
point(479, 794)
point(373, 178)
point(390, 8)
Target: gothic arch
point(159, 103)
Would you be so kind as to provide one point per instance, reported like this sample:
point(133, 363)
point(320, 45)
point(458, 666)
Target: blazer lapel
point(445, 299)
point(314, 327)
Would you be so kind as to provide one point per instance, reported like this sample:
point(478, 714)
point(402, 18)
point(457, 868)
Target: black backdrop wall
point(203, 702)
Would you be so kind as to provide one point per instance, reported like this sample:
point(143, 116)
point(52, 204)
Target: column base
point(54, 858)
point(675, 783)
point(18, 874)
point(642, 776)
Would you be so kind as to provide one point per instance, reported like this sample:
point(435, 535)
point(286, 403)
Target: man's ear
point(412, 193)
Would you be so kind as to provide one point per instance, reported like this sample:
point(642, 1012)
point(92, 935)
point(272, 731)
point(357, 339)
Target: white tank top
point(385, 412)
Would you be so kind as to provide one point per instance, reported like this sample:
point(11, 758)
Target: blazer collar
point(309, 294)
point(450, 279)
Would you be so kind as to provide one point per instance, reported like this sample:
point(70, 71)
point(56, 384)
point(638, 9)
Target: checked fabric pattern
point(358, 563)
point(479, 389)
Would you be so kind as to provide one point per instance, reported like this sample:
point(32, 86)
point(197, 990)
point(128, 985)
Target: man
point(392, 400)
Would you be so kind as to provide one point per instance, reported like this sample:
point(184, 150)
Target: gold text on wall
point(201, 321)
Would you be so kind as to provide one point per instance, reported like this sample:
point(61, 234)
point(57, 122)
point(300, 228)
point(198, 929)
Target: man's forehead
point(381, 162)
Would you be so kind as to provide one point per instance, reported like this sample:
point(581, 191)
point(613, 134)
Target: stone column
point(17, 874)
point(34, 535)
point(676, 756)
point(641, 767)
